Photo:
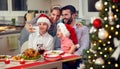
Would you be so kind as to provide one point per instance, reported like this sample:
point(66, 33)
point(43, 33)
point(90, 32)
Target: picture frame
point(86, 12)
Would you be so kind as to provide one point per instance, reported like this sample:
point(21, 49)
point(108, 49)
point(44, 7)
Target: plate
point(3, 57)
point(53, 53)
point(53, 58)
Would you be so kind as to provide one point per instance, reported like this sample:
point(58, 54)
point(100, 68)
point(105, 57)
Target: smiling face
point(54, 15)
point(43, 27)
point(67, 16)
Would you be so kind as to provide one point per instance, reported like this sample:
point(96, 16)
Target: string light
point(117, 26)
point(105, 3)
point(101, 52)
point(105, 18)
point(104, 44)
point(117, 10)
point(110, 49)
point(94, 44)
point(95, 55)
point(99, 48)
point(110, 36)
point(88, 51)
point(93, 60)
point(108, 42)
point(116, 65)
point(91, 67)
point(113, 6)
point(112, 28)
point(100, 41)
point(103, 66)
point(106, 26)
point(89, 57)
point(116, 32)
point(109, 62)
point(105, 56)
point(105, 49)
point(115, 16)
point(106, 9)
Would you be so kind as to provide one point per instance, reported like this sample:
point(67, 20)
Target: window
point(19, 5)
point(3, 5)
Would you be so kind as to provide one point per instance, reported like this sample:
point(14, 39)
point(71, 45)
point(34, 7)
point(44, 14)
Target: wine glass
point(41, 49)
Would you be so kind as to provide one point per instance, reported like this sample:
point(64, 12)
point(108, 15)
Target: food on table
point(16, 57)
point(28, 54)
point(2, 56)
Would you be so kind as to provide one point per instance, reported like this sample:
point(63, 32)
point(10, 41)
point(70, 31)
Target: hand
point(79, 25)
point(29, 28)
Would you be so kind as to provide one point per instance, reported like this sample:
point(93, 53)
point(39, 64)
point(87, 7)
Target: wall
point(39, 4)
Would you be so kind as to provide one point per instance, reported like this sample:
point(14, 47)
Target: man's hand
point(29, 28)
point(79, 24)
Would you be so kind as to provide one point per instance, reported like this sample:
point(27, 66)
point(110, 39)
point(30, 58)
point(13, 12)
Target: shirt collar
point(38, 34)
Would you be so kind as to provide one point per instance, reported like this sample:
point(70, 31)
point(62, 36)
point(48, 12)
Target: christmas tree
point(104, 52)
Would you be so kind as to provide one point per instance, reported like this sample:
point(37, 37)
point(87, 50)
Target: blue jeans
point(68, 65)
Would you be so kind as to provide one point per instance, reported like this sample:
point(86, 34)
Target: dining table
point(39, 64)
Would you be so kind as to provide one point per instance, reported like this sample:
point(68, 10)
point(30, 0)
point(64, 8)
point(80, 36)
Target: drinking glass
point(41, 49)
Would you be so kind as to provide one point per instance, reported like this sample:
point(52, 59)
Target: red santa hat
point(73, 35)
point(69, 31)
point(63, 29)
point(44, 18)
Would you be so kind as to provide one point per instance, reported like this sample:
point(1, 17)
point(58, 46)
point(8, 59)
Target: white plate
point(53, 53)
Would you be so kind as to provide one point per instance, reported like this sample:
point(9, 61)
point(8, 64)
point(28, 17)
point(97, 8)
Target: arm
point(28, 25)
point(50, 45)
point(72, 49)
point(83, 39)
point(30, 40)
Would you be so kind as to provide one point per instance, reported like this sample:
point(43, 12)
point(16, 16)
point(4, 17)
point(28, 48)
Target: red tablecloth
point(63, 59)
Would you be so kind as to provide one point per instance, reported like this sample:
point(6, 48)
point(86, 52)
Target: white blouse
point(46, 39)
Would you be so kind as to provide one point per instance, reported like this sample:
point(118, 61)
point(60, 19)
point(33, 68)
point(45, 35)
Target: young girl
point(41, 39)
point(67, 44)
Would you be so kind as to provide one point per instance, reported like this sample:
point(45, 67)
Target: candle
point(7, 61)
point(22, 61)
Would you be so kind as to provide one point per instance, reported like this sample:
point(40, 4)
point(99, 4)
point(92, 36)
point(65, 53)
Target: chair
point(24, 47)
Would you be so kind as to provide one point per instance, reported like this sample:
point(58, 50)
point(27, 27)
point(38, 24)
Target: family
point(51, 33)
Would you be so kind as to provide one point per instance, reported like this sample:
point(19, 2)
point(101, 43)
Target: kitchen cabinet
point(9, 44)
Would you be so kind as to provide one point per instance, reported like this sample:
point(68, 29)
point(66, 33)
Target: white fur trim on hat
point(63, 29)
point(44, 19)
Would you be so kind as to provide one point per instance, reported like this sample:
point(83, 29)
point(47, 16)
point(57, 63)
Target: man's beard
point(68, 22)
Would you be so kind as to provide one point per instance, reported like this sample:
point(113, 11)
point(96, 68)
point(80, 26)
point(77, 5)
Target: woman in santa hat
point(42, 39)
point(63, 33)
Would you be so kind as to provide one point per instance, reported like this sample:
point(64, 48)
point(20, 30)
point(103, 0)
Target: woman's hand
point(29, 28)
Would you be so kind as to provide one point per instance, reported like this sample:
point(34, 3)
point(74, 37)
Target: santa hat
point(44, 18)
point(73, 35)
point(63, 29)
point(69, 31)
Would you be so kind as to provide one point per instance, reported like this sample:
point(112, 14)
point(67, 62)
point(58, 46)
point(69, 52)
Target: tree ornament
point(115, 1)
point(110, 16)
point(99, 5)
point(91, 49)
point(81, 66)
point(102, 34)
point(117, 51)
point(93, 29)
point(99, 61)
point(97, 23)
